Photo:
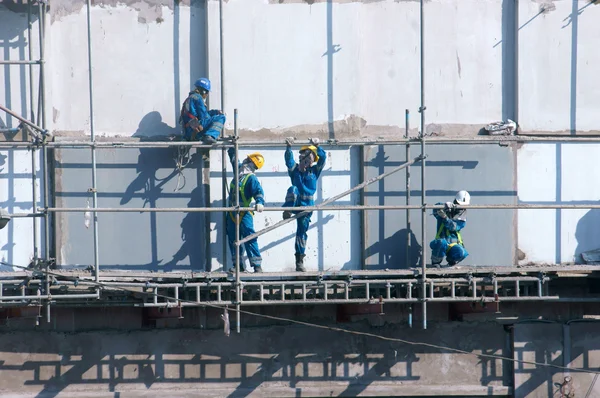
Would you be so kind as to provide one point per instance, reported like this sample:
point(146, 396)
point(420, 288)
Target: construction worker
point(200, 124)
point(304, 178)
point(450, 221)
point(248, 187)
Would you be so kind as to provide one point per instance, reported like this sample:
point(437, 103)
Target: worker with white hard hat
point(448, 241)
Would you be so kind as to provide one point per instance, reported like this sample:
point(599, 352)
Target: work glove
point(449, 206)
point(289, 141)
point(441, 213)
point(259, 207)
point(315, 141)
point(195, 125)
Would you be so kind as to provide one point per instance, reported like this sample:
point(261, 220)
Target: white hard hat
point(463, 198)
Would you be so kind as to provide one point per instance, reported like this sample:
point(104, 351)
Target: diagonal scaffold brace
point(323, 205)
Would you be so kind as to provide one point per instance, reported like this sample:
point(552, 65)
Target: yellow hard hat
point(311, 148)
point(257, 159)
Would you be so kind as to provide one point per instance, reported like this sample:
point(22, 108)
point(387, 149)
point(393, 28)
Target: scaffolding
point(40, 285)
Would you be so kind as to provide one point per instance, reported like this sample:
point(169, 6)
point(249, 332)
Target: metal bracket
point(349, 279)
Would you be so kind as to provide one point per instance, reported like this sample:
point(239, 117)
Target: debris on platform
point(507, 127)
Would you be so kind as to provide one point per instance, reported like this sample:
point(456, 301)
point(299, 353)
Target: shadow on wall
point(150, 161)
point(208, 359)
point(394, 251)
point(152, 126)
point(192, 234)
point(587, 234)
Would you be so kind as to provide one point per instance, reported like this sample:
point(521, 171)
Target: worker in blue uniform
point(304, 176)
point(200, 124)
point(248, 187)
point(448, 241)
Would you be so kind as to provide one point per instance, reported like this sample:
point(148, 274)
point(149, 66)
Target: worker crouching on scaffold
point(304, 176)
point(248, 187)
point(448, 240)
point(200, 124)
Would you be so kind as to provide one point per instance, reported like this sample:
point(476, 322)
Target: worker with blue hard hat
point(199, 123)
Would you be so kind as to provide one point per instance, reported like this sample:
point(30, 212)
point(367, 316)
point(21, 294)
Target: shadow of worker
point(392, 251)
point(587, 234)
point(151, 160)
point(192, 236)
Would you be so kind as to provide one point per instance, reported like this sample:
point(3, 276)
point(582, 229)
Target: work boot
point(208, 140)
point(300, 263)
point(287, 214)
point(258, 269)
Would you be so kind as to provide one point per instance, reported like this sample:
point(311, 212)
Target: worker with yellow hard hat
point(304, 176)
point(248, 187)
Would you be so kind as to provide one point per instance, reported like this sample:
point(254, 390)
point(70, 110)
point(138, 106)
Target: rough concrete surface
point(570, 344)
point(279, 361)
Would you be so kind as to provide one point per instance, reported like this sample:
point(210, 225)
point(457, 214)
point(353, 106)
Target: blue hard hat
point(203, 82)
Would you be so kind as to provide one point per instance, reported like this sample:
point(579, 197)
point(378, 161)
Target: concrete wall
point(334, 238)
point(75, 354)
point(558, 84)
point(573, 345)
point(486, 171)
point(280, 361)
point(140, 178)
point(333, 69)
point(558, 174)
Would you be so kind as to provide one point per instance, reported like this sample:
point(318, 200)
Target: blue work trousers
point(302, 223)
point(440, 248)
point(246, 228)
point(212, 126)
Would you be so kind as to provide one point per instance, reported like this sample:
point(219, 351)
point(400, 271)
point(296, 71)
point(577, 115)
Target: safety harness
point(194, 123)
point(450, 245)
point(245, 202)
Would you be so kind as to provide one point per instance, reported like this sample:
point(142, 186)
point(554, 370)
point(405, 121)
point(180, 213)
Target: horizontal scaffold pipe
point(20, 62)
point(330, 200)
point(477, 140)
point(306, 208)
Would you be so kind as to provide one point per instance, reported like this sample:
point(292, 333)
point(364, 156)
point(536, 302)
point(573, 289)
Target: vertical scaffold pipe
point(238, 285)
point(423, 187)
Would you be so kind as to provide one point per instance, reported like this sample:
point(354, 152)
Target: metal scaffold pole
point(238, 284)
point(93, 190)
point(223, 150)
point(408, 224)
point(34, 153)
point(42, 122)
point(423, 187)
